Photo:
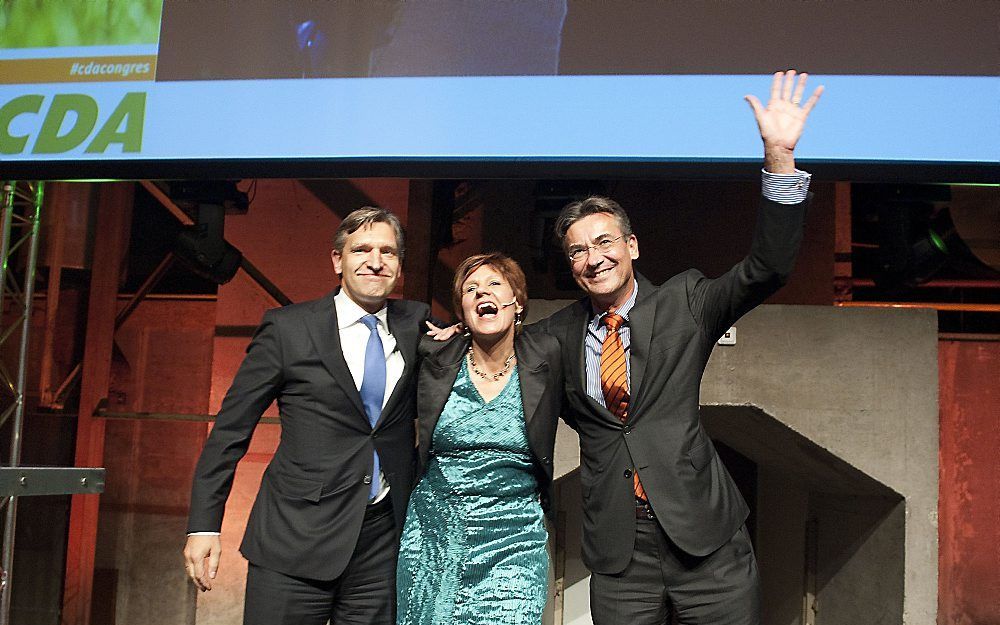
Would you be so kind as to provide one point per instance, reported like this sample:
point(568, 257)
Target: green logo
point(70, 121)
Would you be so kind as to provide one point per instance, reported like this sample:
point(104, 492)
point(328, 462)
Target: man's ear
point(337, 261)
point(633, 247)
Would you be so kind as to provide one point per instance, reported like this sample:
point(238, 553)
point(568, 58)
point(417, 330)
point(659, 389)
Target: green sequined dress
point(473, 547)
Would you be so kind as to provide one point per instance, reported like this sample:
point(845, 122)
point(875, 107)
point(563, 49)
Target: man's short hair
point(365, 217)
point(575, 211)
point(504, 265)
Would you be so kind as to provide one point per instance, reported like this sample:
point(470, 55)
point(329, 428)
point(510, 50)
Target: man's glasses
point(579, 252)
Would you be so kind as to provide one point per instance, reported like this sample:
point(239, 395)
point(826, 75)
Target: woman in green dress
point(474, 544)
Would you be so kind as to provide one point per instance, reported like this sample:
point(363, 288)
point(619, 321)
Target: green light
point(93, 180)
point(937, 241)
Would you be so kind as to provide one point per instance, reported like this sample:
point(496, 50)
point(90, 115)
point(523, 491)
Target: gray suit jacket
point(674, 327)
point(308, 513)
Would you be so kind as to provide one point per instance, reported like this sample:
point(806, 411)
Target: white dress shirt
point(354, 341)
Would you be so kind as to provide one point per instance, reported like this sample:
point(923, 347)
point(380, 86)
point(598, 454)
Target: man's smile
point(600, 273)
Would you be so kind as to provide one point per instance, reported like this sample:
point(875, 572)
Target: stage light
point(189, 194)
point(203, 248)
point(917, 237)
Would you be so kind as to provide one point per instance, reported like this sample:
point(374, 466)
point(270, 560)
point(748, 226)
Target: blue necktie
point(373, 387)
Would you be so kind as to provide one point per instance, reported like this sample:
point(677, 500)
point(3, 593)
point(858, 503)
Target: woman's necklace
point(490, 376)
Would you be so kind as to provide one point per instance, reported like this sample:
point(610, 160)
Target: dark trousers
point(722, 588)
point(364, 594)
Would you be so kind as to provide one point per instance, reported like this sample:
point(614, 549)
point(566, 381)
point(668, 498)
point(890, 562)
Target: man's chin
point(597, 288)
point(373, 298)
point(379, 295)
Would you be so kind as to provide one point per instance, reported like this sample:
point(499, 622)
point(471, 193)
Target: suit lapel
point(437, 378)
point(640, 319)
point(326, 337)
point(578, 339)
point(404, 328)
point(532, 372)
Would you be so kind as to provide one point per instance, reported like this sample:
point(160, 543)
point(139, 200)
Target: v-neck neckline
point(469, 373)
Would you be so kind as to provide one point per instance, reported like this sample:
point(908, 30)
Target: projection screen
point(143, 87)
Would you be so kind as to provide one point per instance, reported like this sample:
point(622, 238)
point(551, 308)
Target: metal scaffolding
point(22, 206)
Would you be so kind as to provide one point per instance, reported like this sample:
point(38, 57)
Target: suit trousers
point(722, 588)
point(364, 594)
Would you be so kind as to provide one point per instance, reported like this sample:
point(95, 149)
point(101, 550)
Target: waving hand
point(782, 121)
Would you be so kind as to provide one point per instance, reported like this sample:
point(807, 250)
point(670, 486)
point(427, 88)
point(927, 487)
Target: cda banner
point(471, 80)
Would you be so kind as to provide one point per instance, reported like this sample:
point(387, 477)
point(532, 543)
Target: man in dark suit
point(323, 534)
point(663, 521)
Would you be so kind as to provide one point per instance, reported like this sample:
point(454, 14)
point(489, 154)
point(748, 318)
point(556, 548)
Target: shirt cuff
point(785, 188)
point(204, 533)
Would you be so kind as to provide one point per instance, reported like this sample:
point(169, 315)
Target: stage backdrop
point(180, 81)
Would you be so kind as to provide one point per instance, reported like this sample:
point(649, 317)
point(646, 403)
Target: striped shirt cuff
point(785, 188)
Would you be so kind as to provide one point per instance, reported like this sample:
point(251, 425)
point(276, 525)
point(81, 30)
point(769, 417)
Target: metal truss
point(22, 207)
point(21, 203)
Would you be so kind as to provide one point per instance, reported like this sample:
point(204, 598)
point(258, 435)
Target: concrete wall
point(861, 384)
point(838, 408)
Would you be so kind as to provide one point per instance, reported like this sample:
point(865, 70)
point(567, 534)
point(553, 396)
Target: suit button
point(627, 429)
point(367, 480)
point(545, 460)
point(628, 474)
point(374, 434)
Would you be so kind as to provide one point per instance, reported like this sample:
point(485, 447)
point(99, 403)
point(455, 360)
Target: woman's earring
point(517, 317)
point(465, 330)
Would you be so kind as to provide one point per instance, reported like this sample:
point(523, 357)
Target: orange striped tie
point(614, 380)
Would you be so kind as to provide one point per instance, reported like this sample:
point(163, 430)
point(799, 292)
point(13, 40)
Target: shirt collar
point(349, 313)
point(622, 310)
